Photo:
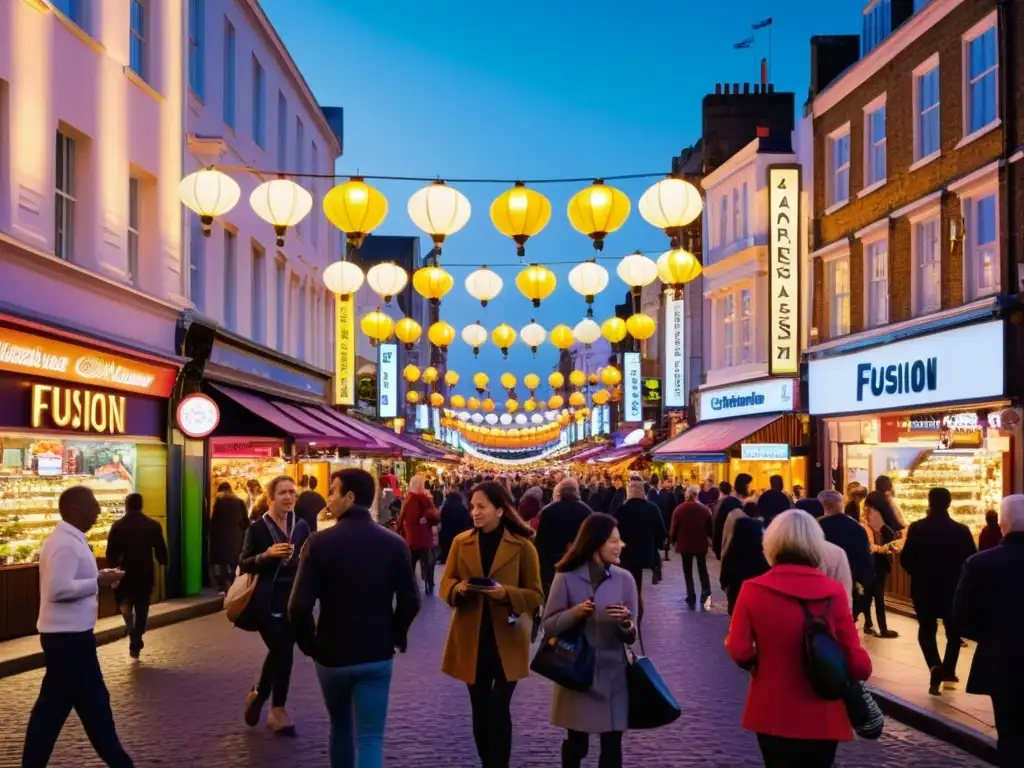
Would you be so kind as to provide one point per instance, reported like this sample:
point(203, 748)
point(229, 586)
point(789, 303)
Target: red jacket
point(691, 528)
point(418, 517)
point(767, 629)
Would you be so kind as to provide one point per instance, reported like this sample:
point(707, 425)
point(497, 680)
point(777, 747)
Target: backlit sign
point(344, 351)
point(197, 415)
point(675, 354)
point(632, 390)
point(387, 381)
point(784, 269)
point(764, 451)
point(81, 410)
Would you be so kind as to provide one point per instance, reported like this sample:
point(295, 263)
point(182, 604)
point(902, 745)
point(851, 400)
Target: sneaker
point(279, 722)
point(705, 601)
point(888, 634)
point(253, 708)
point(949, 683)
point(935, 680)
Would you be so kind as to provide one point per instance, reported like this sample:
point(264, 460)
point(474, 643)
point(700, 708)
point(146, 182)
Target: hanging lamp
point(356, 209)
point(533, 335)
point(408, 331)
point(520, 213)
point(597, 211)
point(475, 335)
point(281, 203)
point(670, 205)
point(536, 283)
point(439, 210)
point(209, 194)
point(588, 279)
point(386, 280)
point(343, 278)
point(483, 285)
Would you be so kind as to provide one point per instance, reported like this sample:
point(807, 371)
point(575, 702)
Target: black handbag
point(865, 715)
point(566, 659)
point(651, 703)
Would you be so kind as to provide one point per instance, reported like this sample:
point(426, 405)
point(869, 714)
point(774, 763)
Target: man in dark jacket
point(774, 501)
point(560, 521)
point(989, 607)
point(850, 536)
point(934, 555)
point(735, 500)
point(455, 519)
point(642, 531)
point(228, 523)
point(691, 530)
point(361, 574)
point(309, 504)
point(132, 543)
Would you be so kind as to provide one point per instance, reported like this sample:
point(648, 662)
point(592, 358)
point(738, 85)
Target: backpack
point(824, 663)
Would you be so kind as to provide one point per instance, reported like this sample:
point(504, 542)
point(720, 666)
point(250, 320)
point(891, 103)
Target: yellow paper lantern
point(678, 267)
point(561, 336)
point(356, 209)
point(531, 381)
point(577, 400)
point(436, 399)
point(480, 381)
point(564, 420)
point(487, 406)
point(640, 326)
point(377, 326)
point(530, 405)
point(592, 378)
point(504, 336)
point(520, 213)
point(411, 374)
point(430, 375)
point(597, 211)
point(614, 329)
point(536, 283)
point(511, 405)
point(577, 378)
point(473, 404)
point(601, 397)
point(555, 402)
point(412, 397)
point(408, 331)
point(432, 283)
point(441, 334)
point(458, 401)
point(508, 381)
point(451, 378)
point(611, 376)
point(556, 380)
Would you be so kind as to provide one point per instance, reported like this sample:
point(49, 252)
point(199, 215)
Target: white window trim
point(838, 133)
point(734, 289)
point(991, 21)
point(931, 211)
point(932, 62)
point(968, 190)
point(873, 106)
point(839, 255)
point(869, 236)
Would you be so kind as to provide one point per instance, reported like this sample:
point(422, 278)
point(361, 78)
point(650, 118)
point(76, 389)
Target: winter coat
point(530, 504)
point(990, 536)
point(766, 635)
point(418, 517)
point(605, 707)
point(228, 524)
point(515, 567)
point(560, 521)
point(692, 528)
point(308, 506)
point(455, 519)
point(745, 557)
point(848, 534)
point(726, 504)
point(934, 555)
point(836, 566)
point(642, 531)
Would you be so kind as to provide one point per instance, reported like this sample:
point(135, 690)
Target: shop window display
point(248, 476)
point(33, 474)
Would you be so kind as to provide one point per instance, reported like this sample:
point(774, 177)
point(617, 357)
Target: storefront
point(753, 428)
point(929, 411)
point(73, 411)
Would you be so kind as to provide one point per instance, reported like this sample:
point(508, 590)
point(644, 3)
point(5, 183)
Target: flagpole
point(770, 52)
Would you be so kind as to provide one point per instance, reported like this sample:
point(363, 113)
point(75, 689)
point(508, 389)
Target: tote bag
point(238, 602)
point(651, 703)
point(566, 659)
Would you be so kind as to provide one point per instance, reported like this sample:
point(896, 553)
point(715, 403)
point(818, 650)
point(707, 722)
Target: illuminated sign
point(632, 395)
point(764, 451)
point(344, 351)
point(784, 269)
point(387, 381)
point(197, 415)
point(766, 396)
point(81, 410)
point(39, 356)
point(675, 355)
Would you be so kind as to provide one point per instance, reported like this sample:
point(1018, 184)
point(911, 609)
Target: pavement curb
point(942, 728)
point(194, 610)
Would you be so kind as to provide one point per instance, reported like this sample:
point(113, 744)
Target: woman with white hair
point(766, 635)
point(560, 521)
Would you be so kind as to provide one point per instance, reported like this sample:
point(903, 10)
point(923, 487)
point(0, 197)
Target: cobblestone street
point(182, 704)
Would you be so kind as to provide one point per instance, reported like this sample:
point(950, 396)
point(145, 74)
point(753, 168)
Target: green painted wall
point(193, 482)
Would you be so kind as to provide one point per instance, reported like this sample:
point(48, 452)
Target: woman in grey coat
point(590, 588)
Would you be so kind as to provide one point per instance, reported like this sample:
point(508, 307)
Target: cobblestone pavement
point(181, 705)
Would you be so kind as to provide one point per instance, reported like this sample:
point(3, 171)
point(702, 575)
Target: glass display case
point(247, 476)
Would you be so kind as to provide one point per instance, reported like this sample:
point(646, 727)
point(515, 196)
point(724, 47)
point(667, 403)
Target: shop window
point(282, 131)
point(65, 199)
point(927, 258)
point(926, 105)
point(981, 245)
point(981, 76)
point(133, 230)
point(876, 261)
point(838, 273)
point(746, 327)
point(230, 280)
point(839, 167)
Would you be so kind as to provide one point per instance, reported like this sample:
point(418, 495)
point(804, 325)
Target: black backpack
point(824, 663)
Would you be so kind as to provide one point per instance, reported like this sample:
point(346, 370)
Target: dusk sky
point(540, 89)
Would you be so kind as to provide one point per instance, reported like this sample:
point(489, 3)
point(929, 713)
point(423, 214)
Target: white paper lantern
point(491, 418)
point(484, 285)
point(477, 418)
point(281, 203)
point(505, 418)
point(439, 210)
point(209, 193)
point(586, 331)
point(475, 335)
point(588, 279)
point(636, 270)
point(343, 278)
point(670, 205)
point(533, 335)
point(520, 418)
point(386, 280)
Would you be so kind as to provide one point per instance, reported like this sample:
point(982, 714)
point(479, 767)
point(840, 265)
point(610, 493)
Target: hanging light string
point(425, 179)
point(546, 262)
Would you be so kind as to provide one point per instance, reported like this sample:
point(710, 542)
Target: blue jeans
point(357, 702)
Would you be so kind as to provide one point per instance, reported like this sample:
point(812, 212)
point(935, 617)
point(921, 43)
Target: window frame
point(282, 130)
point(138, 39)
point(65, 199)
point(828, 261)
point(832, 171)
point(869, 244)
point(314, 162)
point(917, 219)
point(969, 195)
point(229, 110)
point(134, 229)
point(989, 23)
point(301, 342)
point(258, 295)
point(259, 103)
point(280, 297)
point(871, 142)
point(929, 65)
point(230, 279)
point(197, 47)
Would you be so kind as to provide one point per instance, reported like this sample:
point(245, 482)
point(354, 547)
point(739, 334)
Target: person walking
point(691, 531)
point(988, 607)
point(709, 494)
point(271, 549)
point(69, 586)
point(416, 522)
point(560, 521)
point(309, 504)
point(883, 529)
point(934, 555)
point(132, 544)
point(642, 530)
point(991, 535)
point(592, 591)
point(745, 557)
point(228, 523)
point(727, 504)
point(834, 562)
point(491, 580)
point(455, 519)
point(848, 535)
point(775, 500)
point(856, 494)
point(794, 726)
point(361, 575)
point(530, 505)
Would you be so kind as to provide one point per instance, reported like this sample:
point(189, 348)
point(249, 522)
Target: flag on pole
point(763, 23)
point(749, 42)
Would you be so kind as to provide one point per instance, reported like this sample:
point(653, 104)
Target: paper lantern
point(640, 326)
point(511, 405)
point(587, 331)
point(458, 401)
point(503, 337)
point(556, 380)
point(678, 267)
point(531, 381)
point(430, 375)
point(209, 193)
point(356, 209)
point(611, 376)
point(432, 283)
point(577, 400)
point(487, 405)
point(281, 203)
point(533, 335)
point(670, 205)
point(343, 278)
point(408, 331)
point(474, 335)
point(577, 378)
point(536, 283)
point(636, 271)
point(436, 399)
point(386, 279)
point(412, 397)
point(451, 378)
point(614, 329)
point(439, 210)
point(508, 381)
point(601, 397)
point(473, 404)
point(483, 285)
point(555, 402)
point(411, 374)
point(441, 334)
point(588, 279)
point(561, 336)
point(480, 381)
point(377, 327)
point(520, 213)
point(597, 211)
point(530, 405)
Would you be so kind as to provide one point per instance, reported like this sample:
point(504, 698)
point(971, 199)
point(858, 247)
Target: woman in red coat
point(416, 523)
point(793, 725)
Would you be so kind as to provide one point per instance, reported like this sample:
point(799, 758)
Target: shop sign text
point(764, 451)
point(81, 410)
point(632, 400)
point(345, 352)
point(387, 381)
point(910, 376)
point(769, 396)
point(784, 268)
point(675, 355)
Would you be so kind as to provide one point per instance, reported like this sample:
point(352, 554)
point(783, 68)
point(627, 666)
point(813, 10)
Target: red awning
point(710, 440)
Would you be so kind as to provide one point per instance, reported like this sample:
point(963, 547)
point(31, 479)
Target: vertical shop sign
point(784, 269)
point(344, 352)
point(387, 381)
point(675, 355)
point(632, 396)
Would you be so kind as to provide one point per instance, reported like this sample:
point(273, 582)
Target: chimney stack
point(718, 89)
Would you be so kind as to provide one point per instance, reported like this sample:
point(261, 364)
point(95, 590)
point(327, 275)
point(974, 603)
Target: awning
point(619, 454)
point(710, 441)
point(389, 442)
point(591, 452)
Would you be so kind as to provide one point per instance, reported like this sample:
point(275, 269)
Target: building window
point(746, 327)
point(138, 45)
point(74, 10)
point(279, 306)
point(229, 74)
point(723, 222)
point(64, 212)
point(282, 132)
point(839, 167)
point(981, 246)
point(874, 146)
point(230, 280)
point(927, 258)
point(838, 279)
point(197, 265)
point(318, 327)
point(300, 351)
point(746, 210)
point(314, 162)
point(926, 124)
point(982, 74)
point(300, 157)
point(196, 46)
point(877, 25)
point(133, 231)
point(729, 331)
point(876, 262)
point(259, 295)
point(259, 106)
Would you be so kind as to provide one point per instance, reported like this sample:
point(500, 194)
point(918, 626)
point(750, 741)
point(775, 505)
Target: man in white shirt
point(69, 585)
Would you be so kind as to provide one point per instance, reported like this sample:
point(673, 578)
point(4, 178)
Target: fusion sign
point(675, 355)
point(784, 269)
point(632, 388)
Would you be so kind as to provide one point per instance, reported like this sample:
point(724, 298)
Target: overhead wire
point(430, 179)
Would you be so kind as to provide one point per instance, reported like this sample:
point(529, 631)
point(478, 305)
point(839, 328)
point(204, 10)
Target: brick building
point(912, 342)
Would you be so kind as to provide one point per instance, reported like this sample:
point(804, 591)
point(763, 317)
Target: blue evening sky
point(535, 89)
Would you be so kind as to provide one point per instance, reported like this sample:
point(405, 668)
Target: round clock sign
point(197, 415)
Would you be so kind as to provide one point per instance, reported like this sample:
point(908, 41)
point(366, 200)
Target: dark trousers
point(135, 612)
point(1009, 711)
point(875, 592)
point(222, 575)
point(927, 630)
point(780, 752)
point(491, 698)
point(276, 674)
point(702, 573)
point(425, 557)
point(73, 680)
point(638, 577)
point(577, 744)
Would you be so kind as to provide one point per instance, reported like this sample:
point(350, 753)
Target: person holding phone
point(491, 579)
point(271, 549)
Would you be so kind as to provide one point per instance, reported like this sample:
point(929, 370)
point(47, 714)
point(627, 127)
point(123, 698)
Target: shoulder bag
point(238, 600)
point(823, 660)
point(651, 703)
point(566, 659)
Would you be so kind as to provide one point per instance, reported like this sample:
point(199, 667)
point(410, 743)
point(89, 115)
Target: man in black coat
point(989, 608)
point(850, 536)
point(309, 504)
point(735, 500)
point(560, 521)
point(934, 555)
point(228, 524)
point(642, 531)
point(455, 519)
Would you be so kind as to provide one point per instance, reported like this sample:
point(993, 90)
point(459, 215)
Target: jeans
point(425, 557)
point(780, 752)
point(702, 573)
point(927, 629)
point(73, 680)
point(577, 744)
point(135, 612)
point(276, 674)
point(357, 702)
point(490, 698)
